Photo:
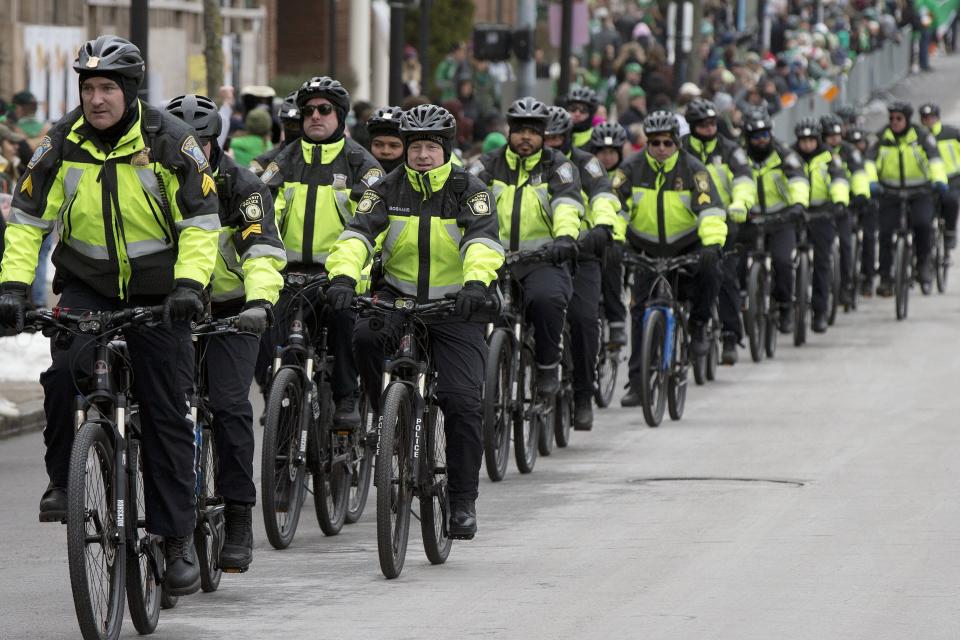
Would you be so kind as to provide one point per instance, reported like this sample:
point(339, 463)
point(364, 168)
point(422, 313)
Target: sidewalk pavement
point(21, 408)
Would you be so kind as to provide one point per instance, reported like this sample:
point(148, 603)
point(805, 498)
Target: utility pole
point(694, 61)
point(527, 19)
point(398, 10)
point(139, 35)
point(213, 48)
point(425, 71)
point(332, 38)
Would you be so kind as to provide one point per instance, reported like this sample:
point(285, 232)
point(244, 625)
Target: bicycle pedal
point(234, 569)
point(462, 536)
point(53, 517)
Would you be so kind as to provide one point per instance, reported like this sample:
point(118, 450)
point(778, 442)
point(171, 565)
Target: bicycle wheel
point(434, 499)
point(608, 365)
point(902, 277)
point(143, 551)
point(394, 479)
point(283, 472)
point(209, 534)
point(526, 421)
point(941, 260)
point(677, 377)
point(700, 369)
point(497, 405)
point(772, 333)
point(713, 356)
point(167, 601)
point(331, 477)
point(653, 367)
point(97, 566)
point(364, 447)
point(801, 307)
point(836, 285)
point(854, 293)
point(754, 315)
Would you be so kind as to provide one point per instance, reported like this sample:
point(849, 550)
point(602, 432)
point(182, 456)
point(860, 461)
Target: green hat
point(633, 67)
point(258, 122)
point(637, 92)
point(494, 140)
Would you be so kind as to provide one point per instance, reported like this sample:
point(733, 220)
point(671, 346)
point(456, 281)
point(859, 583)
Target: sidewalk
point(21, 408)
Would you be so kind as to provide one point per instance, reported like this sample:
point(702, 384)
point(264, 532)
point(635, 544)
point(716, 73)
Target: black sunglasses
point(759, 135)
point(578, 108)
point(323, 109)
point(661, 142)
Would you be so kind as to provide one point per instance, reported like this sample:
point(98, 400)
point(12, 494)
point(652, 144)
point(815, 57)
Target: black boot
point(699, 343)
point(631, 398)
point(237, 552)
point(53, 504)
point(583, 413)
point(182, 576)
point(463, 520)
point(819, 323)
point(885, 290)
point(618, 335)
point(548, 379)
point(347, 415)
point(786, 318)
point(730, 344)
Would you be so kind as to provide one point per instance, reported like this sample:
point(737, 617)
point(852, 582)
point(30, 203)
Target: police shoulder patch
point(593, 168)
point(272, 169)
point(372, 176)
point(255, 167)
point(565, 171)
point(192, 150)
point(702, 180)
point(792, 161)
point(856, 156)
point(252, 208)
point(740, 156)
point(479, 203)
point(367, 201)
point(46, 144)
point(618, 178)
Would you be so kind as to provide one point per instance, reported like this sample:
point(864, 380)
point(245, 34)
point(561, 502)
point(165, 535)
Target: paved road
point(810, 497)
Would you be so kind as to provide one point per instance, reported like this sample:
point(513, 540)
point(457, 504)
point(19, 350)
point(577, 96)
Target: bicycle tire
point(677, 378)
point(545, 437)
point(497, 403)
point(91, 499)
point(563, 406)
point(364, 446)
point(836, 285)
point(393, 477)
point(209, 534)
point(857, 264)
point(754, 314)
point(331, 482)
point(608, 365)
point(283, 491)
point(434, 499)
point(902, 278)
point(941, 259)
point(143, 551)
point(713, 356)
point(526, 423)
point(652, 372)
point(801, 307)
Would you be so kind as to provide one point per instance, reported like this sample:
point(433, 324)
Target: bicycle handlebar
point(527, 257)
point(210, 325)
point(661, 264)
point(91, 322)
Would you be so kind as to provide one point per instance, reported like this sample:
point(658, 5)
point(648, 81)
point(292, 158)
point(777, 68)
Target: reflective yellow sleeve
point(938, 170)
point(620, 226)
point(744, 193)
point(870, 167)
point(198, 254)
point(21, 253)
point(840, 192)
point(860, 183)
point(481, 261)
point(604, 209)
point(712, 229)
point(348, 257)
point(566, 218)
point(799, 191)
point(262, 279)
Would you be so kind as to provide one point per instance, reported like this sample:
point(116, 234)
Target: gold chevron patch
point(208, 184)
point(27, 186)
point(254, 228)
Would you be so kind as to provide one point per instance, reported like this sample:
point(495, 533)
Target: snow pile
point(24, 357)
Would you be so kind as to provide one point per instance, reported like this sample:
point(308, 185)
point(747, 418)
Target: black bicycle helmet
point(661, 122)
point(200, 112)
point(558, 122)
point(528, 111)
point(757, 120)
point(900, 106)
point(807, 128)
point(324, 87)
point(700, 109)
point(385, 122)
point(582, 94)
point(429, 122)
point(848, 114)
point(110, 54)
point(288, 109)
point(856, 135)
point(831, 124)
point(929, 109)
point(608, 134)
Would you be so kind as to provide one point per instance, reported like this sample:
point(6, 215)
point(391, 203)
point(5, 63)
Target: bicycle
point(108, 548)
point(299, 437)
point(608, 365)
point(803, 258)
point(835, 292)
point(760, 318)
point(411, 443)
point(903, 253)
point(705, 366)
point(941, 254)
point(665, 341)
point(856, 263)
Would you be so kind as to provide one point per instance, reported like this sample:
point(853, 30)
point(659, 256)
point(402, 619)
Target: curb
point(31, 418)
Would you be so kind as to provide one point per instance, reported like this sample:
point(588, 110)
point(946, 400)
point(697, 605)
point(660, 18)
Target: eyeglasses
point(661, 142)
point(324, 109)
point(760, 135)
point(578, 108)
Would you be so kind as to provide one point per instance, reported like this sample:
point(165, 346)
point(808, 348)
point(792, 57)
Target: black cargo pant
point(844, 225)
point(700, 288)
point(780, 242)
point(612, 273)
point(459, 351)
point(158, 354)
point(868, 259)
point(950, 205)
point(822, 233)
point(920, 220)
point(728, 301)
point(547, 290)
point(583, 316)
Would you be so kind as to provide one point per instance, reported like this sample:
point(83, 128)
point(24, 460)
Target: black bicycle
point(856, 262)
point(941, 253)
point(608, 366)
point(411, 445)
point(903, 257)
point(803, 284)
point(666, 336)
point(760, 318)
point(108, 547)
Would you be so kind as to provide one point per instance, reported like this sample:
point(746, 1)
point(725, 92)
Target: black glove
point(340, 292)
point(256, 316)
point(710, 256)
point(859, 202)
point(471, 298)
point(797, 213)
point(563, 249)
point(185, 303)
point(13, 306)
point(597, 240)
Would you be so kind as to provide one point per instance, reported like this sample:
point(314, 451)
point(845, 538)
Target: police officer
point(596, 234)
point(674, 208)
point(141, 227)
point(782, 186)
point(582, 103)
point(868, 214)
point(539, 203)
point(829, 194)
point(852, 159)
point(906, 157)
point(289, 117)
point(246, 281)
point(385, 142)
point(442, 239)
point(948, 143)
point(730, 170)
point(318, 183)
point(607, 143)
